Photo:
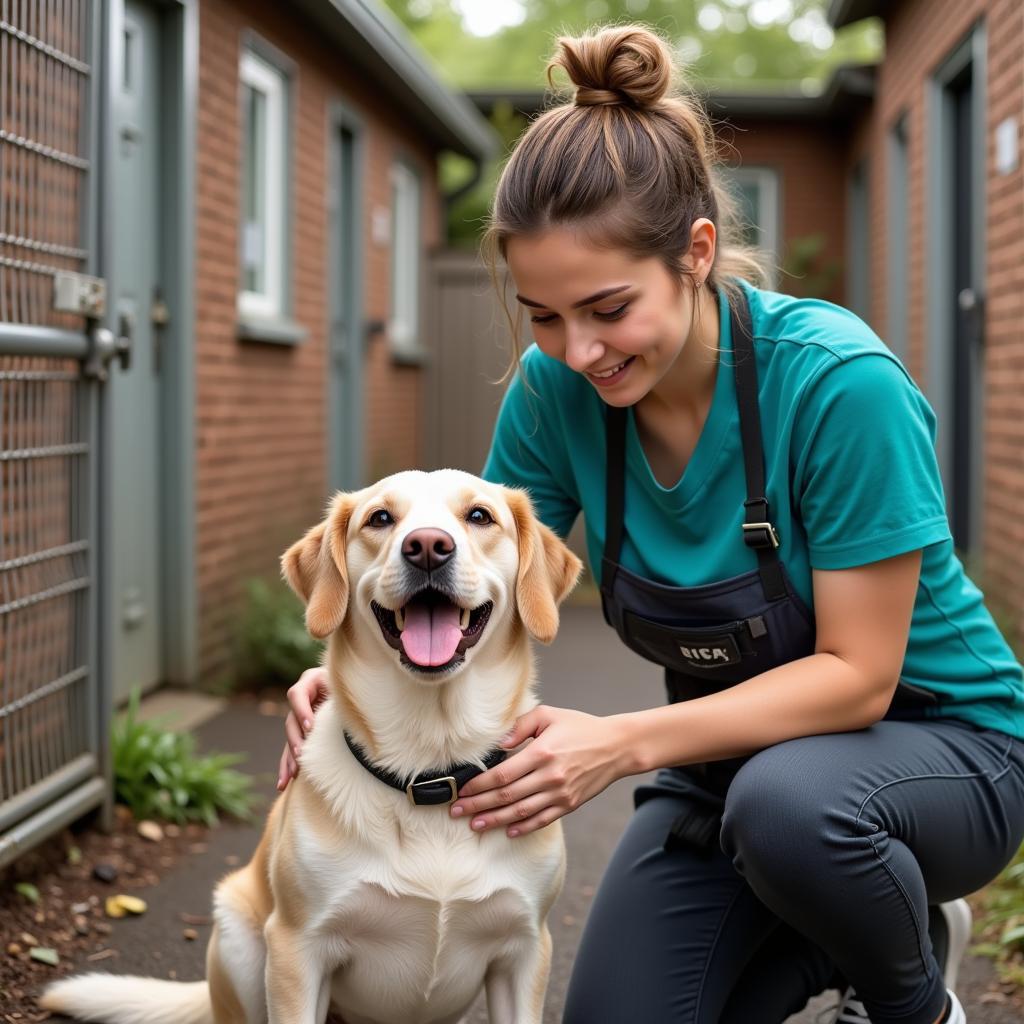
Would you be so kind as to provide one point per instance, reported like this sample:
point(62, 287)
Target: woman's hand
point(572, 757)
point(304, 697)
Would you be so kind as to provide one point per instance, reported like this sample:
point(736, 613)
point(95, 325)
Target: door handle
point(123, 344)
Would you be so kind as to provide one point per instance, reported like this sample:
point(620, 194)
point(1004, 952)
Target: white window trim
point(766, 180)
point(406, 258)
point(260, 75)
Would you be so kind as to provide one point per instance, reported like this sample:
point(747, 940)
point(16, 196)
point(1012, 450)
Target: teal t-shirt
point(852, 478)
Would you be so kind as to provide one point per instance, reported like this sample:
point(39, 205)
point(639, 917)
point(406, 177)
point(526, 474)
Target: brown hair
point(627, 163)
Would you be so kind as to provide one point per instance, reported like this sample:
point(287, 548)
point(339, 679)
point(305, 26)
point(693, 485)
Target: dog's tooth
point(464, 619)
point(400, 618)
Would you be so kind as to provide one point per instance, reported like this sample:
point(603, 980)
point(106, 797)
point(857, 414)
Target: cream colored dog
point(356, 899)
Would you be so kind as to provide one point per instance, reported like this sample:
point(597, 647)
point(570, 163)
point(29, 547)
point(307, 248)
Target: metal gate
point(53, 711)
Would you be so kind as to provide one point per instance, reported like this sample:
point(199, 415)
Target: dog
point(364, 897)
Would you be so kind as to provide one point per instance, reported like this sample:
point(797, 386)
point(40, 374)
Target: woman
point(842, 743)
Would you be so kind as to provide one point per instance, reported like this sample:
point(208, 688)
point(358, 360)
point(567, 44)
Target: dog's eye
point(382, 517)
point(479, 516)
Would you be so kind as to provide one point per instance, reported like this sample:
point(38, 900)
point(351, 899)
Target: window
point(858, 268)
point(263, 254)
point(757, 189)
point(898, 247)
point(405, 260)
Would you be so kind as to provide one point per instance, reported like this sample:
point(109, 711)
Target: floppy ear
point(315, 569)
point(548, 570)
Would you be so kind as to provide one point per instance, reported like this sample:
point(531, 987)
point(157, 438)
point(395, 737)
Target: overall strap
point(758, 531)
point(615, 493)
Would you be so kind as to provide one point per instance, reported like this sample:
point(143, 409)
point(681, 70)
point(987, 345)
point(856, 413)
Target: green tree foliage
point(746, 43)
point(728, 45)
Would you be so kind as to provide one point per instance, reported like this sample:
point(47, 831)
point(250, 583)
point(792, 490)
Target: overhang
point(846, 12)
point(848, 91)
point(375, 43)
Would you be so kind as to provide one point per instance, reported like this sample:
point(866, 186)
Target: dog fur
point(355, 900)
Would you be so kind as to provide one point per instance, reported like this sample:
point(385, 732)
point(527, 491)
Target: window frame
point(405, 317)
point(767, 181)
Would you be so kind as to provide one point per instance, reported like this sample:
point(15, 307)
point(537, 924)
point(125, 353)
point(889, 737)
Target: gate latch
point(79, 293)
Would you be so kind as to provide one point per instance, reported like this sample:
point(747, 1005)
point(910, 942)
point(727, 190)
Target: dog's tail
point(114, 999)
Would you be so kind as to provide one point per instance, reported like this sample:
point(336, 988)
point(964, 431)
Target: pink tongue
point(431, 633)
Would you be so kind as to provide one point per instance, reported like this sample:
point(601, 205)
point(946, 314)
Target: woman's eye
point(479, 517)
point(382, 517)
point(546, 319)
point(612, 314)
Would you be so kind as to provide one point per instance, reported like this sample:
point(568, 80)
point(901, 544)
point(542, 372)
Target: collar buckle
point(452, 787)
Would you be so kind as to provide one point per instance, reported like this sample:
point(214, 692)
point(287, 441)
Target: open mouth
point(431, 632)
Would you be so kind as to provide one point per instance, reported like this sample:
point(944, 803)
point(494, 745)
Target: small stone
point(29, 939)
point(13, 948)
point(172, 831)
point(232, 859)
point(105, 872)
point(992, 997)
point(81, 925)
point(150, 830)
point(80, 908)
point(102, 927)
point(190, 934)
point(197, 848)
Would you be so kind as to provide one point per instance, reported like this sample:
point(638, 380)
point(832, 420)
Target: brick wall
point(261, 408)
point(809, 158)
point(920, 35)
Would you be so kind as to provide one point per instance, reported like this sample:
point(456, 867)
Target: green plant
point(273, 645)
point(805, 268)
point(158, 775)
point(1002, 928)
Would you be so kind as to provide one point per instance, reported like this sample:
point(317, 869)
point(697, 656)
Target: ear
point(548, 570)
point(315, 569)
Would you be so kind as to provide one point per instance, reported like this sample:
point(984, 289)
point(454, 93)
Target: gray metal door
point(133, 392)
point(53, 708)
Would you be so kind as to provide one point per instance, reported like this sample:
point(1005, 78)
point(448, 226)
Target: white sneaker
point(957, 915)
point(851, 1010)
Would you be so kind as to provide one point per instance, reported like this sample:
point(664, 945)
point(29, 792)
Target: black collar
point(436, 786)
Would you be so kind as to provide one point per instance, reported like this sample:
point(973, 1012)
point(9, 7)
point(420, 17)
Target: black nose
point(428, 549)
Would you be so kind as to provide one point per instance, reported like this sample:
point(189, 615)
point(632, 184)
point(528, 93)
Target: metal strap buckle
point(769, 530)
point(452, 787)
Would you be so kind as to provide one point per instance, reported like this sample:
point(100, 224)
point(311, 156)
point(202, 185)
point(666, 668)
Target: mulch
point(69, 917)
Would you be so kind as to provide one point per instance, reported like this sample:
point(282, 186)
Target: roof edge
point(374, 38)
point(849, 88)
point(845, 12)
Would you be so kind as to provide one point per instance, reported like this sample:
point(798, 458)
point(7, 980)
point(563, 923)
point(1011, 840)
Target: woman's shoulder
point(813, 328)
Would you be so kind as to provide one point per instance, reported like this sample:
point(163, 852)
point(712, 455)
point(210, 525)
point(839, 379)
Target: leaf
point(28, 890)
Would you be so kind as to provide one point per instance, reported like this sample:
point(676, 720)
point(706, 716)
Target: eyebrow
point(596, 297)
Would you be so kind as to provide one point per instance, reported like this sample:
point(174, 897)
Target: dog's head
point(431, 562)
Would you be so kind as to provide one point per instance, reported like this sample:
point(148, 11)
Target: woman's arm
point(863, 621)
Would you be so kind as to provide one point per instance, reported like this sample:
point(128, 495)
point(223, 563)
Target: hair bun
point(624, 65)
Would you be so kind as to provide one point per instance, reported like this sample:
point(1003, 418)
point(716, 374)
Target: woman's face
point(618, 320)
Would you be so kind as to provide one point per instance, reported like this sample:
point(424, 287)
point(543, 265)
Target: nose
point(428, 549)
point(582, 348)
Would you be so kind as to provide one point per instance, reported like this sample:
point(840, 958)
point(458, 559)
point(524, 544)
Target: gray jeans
point(832, 849)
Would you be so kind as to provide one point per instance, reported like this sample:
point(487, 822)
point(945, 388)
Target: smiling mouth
point(430, 631)
point(611, 371)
